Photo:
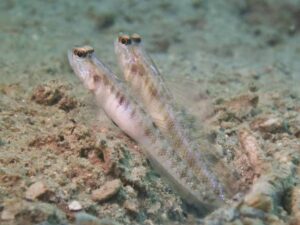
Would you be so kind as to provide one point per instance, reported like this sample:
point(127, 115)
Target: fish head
point(123, 45)
point(82, 61)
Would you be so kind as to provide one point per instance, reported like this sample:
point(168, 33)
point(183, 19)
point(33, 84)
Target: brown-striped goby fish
point(146, 81)
point(131, 118)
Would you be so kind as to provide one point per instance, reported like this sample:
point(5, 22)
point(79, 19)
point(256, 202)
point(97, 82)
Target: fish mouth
point(70, 57)
point(73, 61)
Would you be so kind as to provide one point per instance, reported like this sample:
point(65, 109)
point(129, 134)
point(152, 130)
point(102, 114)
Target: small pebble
point(7, 215)
point(130, 191)
point(131, 206)
point(75, 206)
point(241, 105)
point(138, 173)
point(36, 190)
point(260, 201)
point(154, 209)
point(267, 124)
point(108, 190)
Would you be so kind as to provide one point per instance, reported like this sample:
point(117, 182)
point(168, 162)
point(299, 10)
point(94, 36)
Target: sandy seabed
point(233, 65)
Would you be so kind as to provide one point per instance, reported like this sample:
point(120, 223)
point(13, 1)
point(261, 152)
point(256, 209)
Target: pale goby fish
point(130, 118)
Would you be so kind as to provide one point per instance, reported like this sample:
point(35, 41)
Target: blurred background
point(190, 37)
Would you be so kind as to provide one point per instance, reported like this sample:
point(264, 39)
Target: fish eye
point(136, 38)
point(83, 51)
point(125, 40)
point(80, 54)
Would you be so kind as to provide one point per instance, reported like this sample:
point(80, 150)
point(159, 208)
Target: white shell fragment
point(75, 206)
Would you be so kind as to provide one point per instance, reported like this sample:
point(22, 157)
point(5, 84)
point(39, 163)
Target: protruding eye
point(82, 52)
point(125, 39)
point(136, 38)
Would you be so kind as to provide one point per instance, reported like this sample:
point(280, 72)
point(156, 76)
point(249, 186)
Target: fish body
point(132, 119)
point(144, 78)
